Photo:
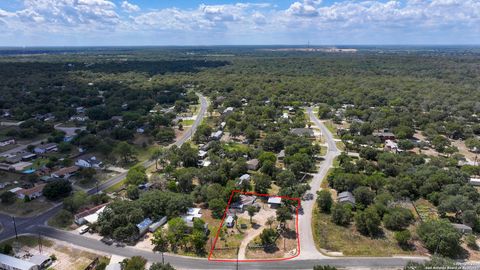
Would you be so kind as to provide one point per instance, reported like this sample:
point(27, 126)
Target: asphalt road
point(307, 244)
point(312, 257)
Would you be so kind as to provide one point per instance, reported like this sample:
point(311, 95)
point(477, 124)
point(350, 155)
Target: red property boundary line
point(255, 260)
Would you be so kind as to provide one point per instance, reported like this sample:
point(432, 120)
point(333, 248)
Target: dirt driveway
point(260, 218)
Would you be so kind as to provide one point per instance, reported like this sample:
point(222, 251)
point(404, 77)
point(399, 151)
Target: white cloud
point(255, 20)
point(303, 9)
point(129, 7)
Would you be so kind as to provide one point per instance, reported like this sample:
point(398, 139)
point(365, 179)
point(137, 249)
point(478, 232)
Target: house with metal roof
point(12, 263)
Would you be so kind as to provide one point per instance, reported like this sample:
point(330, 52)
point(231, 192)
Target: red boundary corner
point(255, 260)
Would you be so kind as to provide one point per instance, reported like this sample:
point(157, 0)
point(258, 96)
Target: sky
point(231, 22)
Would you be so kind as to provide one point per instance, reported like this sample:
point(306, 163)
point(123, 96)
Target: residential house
point(474, 181)
point(202, 154)
point(117, 118)
point(222, 125)
point(152, 228)
point(462, 228)
point(217, 135)
point(45, 148)
point(391, 146)
point(192, 213)
point(308, 132)
point(243, 202)
point(31, 193)
point(281, 155)
point(88, 162)
point(7, 141)
point(244, 179)
point(79, 118)
point(66, 172)
point(228, 111)
point(384, 135)
point(21, 166)
point(253, 164)
point(346, 197)
point(89, 215)
point(143, 226)
point(12, 263)
point(29, 156)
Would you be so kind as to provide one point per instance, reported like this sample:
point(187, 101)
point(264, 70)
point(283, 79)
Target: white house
point(244, 179)
point(7, 141)
point(12, 263)
point(91, 162)
point(274, 201)
point(44, 148)
point(217, 135)
point(31, 193)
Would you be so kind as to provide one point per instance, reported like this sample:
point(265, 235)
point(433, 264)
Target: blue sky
point(229, 22)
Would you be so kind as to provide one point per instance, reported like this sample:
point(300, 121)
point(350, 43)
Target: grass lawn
point(56, 222)
point(187, 123)
point(25, 209)
point(115, 187)
point(331, 237)
point(28, 240)
point(236, 147)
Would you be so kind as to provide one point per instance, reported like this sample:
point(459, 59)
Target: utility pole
point(238, 250)
point(40, 243)
point(15, 227)
point(163, 259)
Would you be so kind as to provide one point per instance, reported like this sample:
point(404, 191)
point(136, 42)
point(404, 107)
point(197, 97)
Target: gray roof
point(346, 196)
point(302, 131)
point(17, 263)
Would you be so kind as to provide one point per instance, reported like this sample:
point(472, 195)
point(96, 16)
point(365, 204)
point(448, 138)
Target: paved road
point(36, 225)
point(307, 244)
point(27, 224)
point(21, 147)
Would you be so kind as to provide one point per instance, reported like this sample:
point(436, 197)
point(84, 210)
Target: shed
point(229, 221)
point(253, 164)
point(274, 201)
point(346, 197)
point(462, 228)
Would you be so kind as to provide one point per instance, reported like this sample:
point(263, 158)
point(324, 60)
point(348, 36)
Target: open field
point(25, 209)
point(346, 240)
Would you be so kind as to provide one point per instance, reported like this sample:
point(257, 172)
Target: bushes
point(57, 189)
point(268, 236)
point(324, 201)
point(8, 197)
point(440, 236)
point(397, 218)
point(403, 237)
point(341, 214)
point(368, 222)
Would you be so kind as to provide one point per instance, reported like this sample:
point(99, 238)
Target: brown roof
point(67, 170)
point(90, 211)
point(30, 191)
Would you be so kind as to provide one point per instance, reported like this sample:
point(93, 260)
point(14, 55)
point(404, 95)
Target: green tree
point(136, 176)
point(284, 214)
point(160, 241)
point(268, 236)
point(368, 222)
point(251, 211)
point(132, 192)
point(218, 207)
point(134, 263)
point(341, 214)
point(160, 266)
point(57, 189)
point(125, 151)
point(8, 197)
point(324, 267)
point(397, 218)
point(440, 237)
point(403, 237)
point(324, 201)
point(74, 202)
point(176, 233)
point(363, 196)
point(262, 184)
